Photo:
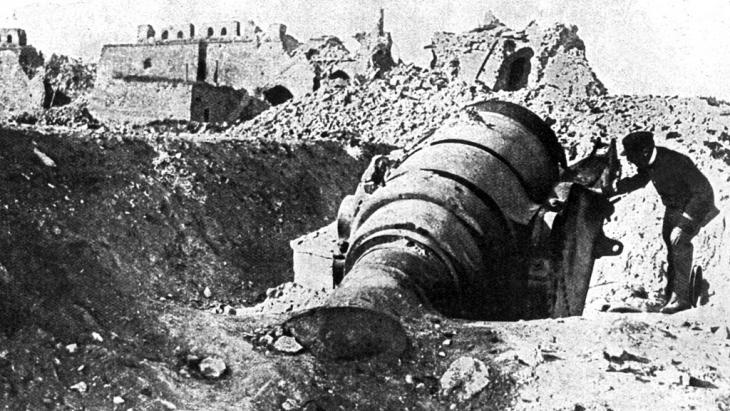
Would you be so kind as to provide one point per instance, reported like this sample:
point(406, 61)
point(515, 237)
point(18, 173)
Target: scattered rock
point(80, 387)
point(289, 404)
point(207, 293)
point(4, 275)
point(212, 367)
point(698, 383)
point(468, 375)
point(167, 404)
point(71, 348)
point(288, 345)
point(118, 400)
point(97, 337)
point(618, 355)
point(47, 161)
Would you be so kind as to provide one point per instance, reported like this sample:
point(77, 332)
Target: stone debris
point(71, 348)
point(207, 293)
point(286, 297)
point(5, 277)
point(290, 404)
point(212, 367)
point(530, 356)
point(618, 355)
point(97, 337)
point(466, 376)
point(288, 345)
point(80, 387)
point(166, 404)
point(118, 400)
point(47, 161)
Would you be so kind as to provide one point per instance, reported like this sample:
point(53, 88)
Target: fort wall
point(216, 59)
point(21, 87)
point(143, 102)
point(11, 37)
point(217, 104)
point(243, 65)
point(171, 61)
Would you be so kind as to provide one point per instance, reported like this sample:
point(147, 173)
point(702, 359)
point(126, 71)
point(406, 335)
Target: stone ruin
point(224, 71)
point(230, 70)
point(503, 59)
point(21, 83)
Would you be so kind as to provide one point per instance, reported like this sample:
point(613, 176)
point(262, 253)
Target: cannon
point(481, 220)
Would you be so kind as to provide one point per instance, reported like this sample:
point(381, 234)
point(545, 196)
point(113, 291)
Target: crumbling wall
point(141, 102)
point(243, 65)
point(177, 32)
point(217, 104)
point(220, 30)
point(11, 37)
point(21, 86)
point(270, 65)
point(550, 59)
point(173, 61)
point(374, 56)
point(330, 58)
point(561, 63)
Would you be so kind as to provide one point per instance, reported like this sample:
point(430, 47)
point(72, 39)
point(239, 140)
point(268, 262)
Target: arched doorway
point(211, 32)
point(339, 74)
point(165, 35)
point(277, 95)
point(339, 78)
point(515, 71)
point(180, 34)
point(10, 38)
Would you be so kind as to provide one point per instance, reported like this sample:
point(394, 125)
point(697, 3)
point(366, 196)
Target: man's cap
point(637, 141)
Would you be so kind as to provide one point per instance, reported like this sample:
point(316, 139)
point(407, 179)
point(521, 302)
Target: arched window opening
point(10, 38)
point(211, 32)
point(224, 32)
point(277, 95)
point(206, 115)
point(147, 63)
point(339, 74)
point(165, 35)
point(180, 34)
point(515, 71)
point(517, 77)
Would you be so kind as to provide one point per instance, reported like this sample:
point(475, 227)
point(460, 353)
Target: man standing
point(689, 201)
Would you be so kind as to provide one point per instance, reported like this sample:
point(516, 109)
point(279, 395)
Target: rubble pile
point(407, 101)
point(67, 79)
point(393, 110)
point(74, 115)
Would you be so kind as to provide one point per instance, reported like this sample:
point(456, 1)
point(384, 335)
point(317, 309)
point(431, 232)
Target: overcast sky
point(636, 47)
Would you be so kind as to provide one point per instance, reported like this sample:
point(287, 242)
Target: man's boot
point(676, 304)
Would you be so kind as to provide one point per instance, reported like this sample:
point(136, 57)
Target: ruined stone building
point(223, 71)
point(21, 82)
point(504, 59)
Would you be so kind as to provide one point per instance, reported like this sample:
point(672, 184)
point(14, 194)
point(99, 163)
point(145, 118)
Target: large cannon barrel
point(462, 196)
point(446, 229)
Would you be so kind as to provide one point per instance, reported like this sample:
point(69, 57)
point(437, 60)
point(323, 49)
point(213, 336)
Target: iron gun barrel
point(448, 229)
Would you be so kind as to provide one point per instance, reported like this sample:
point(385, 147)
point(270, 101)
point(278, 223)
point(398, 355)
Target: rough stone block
point(313, 258)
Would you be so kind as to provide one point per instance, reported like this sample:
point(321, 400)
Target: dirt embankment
point(98, 233)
